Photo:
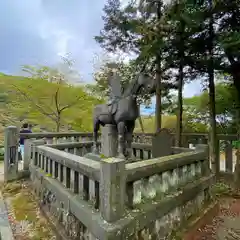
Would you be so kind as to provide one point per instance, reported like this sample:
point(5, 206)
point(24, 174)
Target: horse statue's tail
point(140, 119)
point(141, 123)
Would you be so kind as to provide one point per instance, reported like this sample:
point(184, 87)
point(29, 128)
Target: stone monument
point(162, 143)
point(118, 116)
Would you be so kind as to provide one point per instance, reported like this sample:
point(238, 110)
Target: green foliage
point(139, 28)
point(236, 144)
point(176, 35)
point(225, 97)
point(169, 122)
point(34, 100)
point(127, 73)
point(225, 103)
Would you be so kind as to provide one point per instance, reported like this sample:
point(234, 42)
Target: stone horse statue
point(123, 112)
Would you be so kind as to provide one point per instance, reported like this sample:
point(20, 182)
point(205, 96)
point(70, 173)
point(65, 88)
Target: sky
point(40, 31)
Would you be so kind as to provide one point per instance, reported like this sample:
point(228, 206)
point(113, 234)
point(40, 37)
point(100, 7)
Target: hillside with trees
point(177, 42)
point(49, 103)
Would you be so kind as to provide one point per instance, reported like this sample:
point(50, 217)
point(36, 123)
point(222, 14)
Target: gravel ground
point(224, 226)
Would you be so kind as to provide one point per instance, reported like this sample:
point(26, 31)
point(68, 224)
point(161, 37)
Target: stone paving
point(5, 228)
point(230, 229)
point(1, 172)
point(223, 226)
point(20, 167)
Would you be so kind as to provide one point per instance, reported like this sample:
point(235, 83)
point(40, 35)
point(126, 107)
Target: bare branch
point(40, 108)
point(56, 100)
point(70, 104)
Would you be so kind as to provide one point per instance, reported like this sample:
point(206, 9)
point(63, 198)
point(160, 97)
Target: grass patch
point(220, 189)
point(23, 208)
point(11, 189)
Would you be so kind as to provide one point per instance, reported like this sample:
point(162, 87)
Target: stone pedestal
point(11, 153)
point(109, 141)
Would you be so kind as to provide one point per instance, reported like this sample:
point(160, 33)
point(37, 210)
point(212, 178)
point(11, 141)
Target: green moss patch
point(25, 217)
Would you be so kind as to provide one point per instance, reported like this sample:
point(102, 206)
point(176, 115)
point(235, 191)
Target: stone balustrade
point(141, 151)
point(112, 198)
point(155, 179)
point(93, 194)
point(59, 137)
point(76, 148)
point(62, 179)
point(224, 143)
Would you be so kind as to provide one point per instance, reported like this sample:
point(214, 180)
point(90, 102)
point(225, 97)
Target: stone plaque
point(162, 144)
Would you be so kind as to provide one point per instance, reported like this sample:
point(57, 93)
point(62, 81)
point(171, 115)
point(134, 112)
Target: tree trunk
point(158, 110)
point(180, 107)
point(236, 78)
point(213, 127)
point(58, 122)
point(180, 89)
point(214, 150)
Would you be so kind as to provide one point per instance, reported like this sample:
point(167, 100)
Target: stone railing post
point(206, 171)
point(36, 143)
point(27, 153)
point(112, 189)
point(10, 153)
point(206, 166)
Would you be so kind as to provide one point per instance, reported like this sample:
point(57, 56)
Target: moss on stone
point(23, 206)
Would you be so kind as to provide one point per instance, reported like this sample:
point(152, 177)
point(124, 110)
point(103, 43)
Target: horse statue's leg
point(129, 137)
point(121, 139)
point(96, 126)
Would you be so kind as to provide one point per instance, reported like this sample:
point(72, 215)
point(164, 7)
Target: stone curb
point(5, 228)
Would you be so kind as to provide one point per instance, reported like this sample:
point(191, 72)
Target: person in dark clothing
point(25, 129)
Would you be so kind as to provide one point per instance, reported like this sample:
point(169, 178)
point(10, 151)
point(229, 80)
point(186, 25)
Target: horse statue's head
point(147, 84)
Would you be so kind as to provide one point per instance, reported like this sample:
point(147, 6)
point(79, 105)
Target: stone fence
point(226, 155)
point(225, 147)
point(112, 199)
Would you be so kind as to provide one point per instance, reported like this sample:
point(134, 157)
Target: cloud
point(193, 88)
point(39, 31)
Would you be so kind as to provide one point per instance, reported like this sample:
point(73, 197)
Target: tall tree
point(213, 130)
point(176, 46)
point(138, 28)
